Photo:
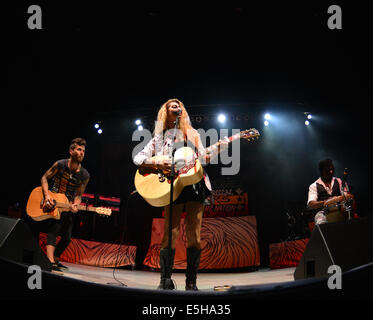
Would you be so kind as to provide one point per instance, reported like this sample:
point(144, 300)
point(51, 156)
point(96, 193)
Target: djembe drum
point(339, 208)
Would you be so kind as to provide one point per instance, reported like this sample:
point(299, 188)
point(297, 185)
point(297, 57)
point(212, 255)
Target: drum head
point(336, 216)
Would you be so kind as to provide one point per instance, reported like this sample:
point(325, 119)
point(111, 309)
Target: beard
point(76, 158)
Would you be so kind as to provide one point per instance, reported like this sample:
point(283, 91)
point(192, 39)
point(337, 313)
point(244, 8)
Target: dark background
point(110, 63)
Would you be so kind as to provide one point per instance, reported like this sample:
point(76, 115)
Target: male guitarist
point(193, 197)
point(69, 177)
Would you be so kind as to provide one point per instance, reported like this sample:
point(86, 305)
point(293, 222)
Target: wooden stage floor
point(150, 279)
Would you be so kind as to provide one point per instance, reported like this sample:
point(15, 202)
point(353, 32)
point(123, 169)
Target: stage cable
point(121, 241)
point(326, 245)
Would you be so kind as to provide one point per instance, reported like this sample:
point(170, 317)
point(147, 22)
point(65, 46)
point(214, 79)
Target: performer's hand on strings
point(164, 165)
point(73, 207)
point(48, 203)
point(223, 144)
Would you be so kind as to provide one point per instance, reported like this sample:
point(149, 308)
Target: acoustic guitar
point(35, 210)
point(154, 185)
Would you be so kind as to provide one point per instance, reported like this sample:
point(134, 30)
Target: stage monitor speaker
point(18, 244)
point(348, 244)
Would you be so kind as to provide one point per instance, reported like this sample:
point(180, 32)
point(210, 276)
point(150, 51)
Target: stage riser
point(95, 253)
point(226, 242)
point(286, 254)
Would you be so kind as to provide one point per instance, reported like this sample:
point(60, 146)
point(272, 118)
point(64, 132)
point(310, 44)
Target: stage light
point(221, 118)
point(307, 123)
point(267, 116)
point(309, 116)
point(138, 122)
point(140, 128)
point(99, 131)
point(97, 125)
point(266, 123)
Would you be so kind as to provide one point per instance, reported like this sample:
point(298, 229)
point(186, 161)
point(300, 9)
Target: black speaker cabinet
point(348, 244)
point(18, 244)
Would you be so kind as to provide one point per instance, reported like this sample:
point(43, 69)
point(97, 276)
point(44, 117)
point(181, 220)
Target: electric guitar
point(35, 210)
point(154, 185)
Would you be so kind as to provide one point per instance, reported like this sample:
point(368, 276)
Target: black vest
point(323, 195)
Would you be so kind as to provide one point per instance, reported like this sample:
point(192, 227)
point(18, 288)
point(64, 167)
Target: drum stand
point(347, 202)
point(348, 206)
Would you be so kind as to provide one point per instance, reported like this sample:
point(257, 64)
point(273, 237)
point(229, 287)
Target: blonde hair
point(185, 125)
point(184, 122)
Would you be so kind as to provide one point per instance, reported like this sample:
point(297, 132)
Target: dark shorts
point(197, 192)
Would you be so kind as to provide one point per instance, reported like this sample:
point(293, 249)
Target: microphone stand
point(172, 175)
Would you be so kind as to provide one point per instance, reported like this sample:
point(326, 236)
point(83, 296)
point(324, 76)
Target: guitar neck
point(80, 207)
point(217, 144)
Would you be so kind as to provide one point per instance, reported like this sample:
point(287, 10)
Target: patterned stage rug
point(286, 254)
point(226, 242)
point(96, 254)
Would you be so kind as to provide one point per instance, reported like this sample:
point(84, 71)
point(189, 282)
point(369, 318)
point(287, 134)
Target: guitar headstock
point(104, 211)
point(250, 134)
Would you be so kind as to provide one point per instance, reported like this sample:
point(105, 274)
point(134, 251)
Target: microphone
point(177, 112)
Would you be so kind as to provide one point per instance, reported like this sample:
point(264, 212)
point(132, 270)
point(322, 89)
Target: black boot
point(166, 263)
point(193, 259)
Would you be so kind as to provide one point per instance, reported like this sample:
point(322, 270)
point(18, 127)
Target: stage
point(137, 288)
point(91, 275)
point(206, 281)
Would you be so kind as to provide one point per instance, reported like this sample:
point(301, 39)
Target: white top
point(312, 191)
point(160, 145)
